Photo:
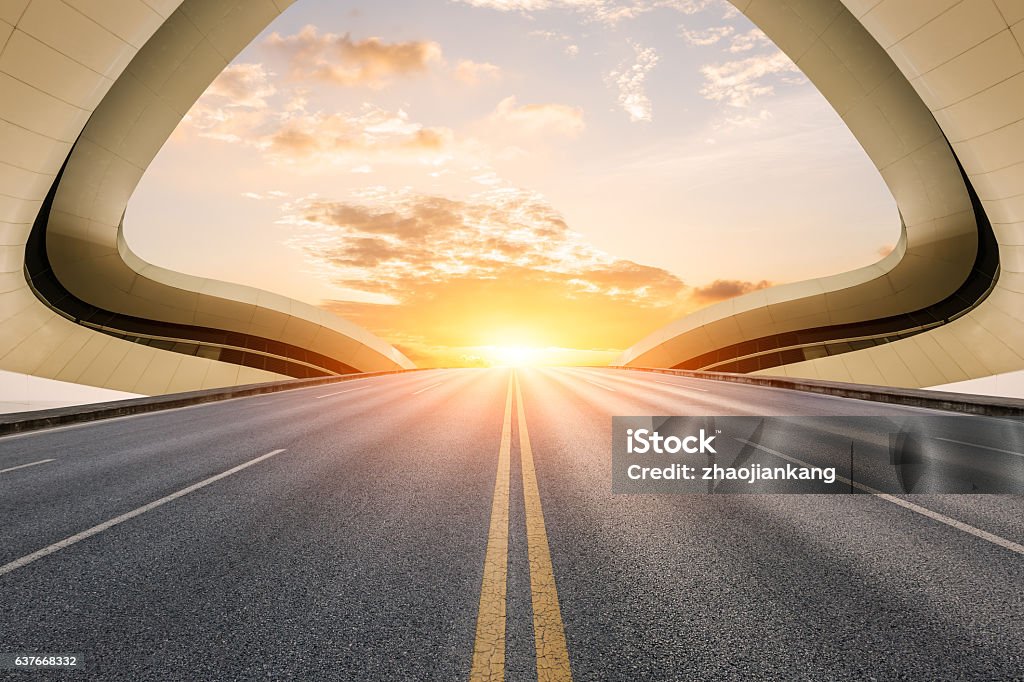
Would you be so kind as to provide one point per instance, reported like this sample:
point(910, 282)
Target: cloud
point(474, 73)
point(294, 135)
point(709, 36)
point(696, 6)
point(340, 60)
point(285, 131)
point(513, 5)
point(551, 35)
point(608, 12)
point(629, 79)
point(743, 120)
point(537, 119)
point(396, 243)
point(273, 194)
point(244, 85)
point(570, 47)
point(723, 289)
point(500, 267)
point(739, 82)
point(410, 240)
point(752, 39)
point(373, 135)
point(481, 270)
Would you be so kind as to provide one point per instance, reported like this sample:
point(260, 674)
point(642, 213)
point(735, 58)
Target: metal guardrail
point(21, 422)
point(964, 403)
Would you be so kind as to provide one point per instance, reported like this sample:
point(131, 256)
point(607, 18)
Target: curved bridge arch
point(104, 85)
point(101, 86)
point(910, 78)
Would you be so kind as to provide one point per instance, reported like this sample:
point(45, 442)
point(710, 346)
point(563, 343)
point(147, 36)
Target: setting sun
point(535, 356)
point(514, 356)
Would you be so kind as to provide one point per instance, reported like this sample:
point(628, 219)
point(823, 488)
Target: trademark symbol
point(718, 430)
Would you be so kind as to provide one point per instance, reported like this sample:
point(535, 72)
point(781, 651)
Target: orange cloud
point(723, 289)
point(374, 135)
point(499, 268)
point(538, 119)
point(243, 107)
point(245, 85)
point(234, 109)
point(340, 60)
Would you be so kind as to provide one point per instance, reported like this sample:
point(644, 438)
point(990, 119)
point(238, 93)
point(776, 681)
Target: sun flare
point(515, 356)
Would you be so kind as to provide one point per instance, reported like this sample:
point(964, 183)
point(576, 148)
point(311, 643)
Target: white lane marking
point(340, 392)
point(427, 388)
point(685, 388)
point(22, 466)
point(973, 445)
point(607, 388)
point(96, 530)
point(916, 508)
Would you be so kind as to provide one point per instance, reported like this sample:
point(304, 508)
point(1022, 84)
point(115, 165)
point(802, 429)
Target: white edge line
point(607, 388)
point(428, 387)
point(936, 516)
point(22, 466)
point(973, 445)
point(95, 530)
point(348, 390)
point(685, 388)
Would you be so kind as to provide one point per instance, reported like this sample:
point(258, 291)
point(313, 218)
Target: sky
point(485, 181)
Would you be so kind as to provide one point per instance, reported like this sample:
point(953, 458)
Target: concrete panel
point(78, 36)
point(994, 150)
point(978, 69)
point(32, 109)
point(189, 374)
point(998, 106)
point(893, 20)
point(132, 21)
point(159, 373)
point(30, 150)
point(74, 340)
point(11, 10)
point(1012, 10)
point(947, 36)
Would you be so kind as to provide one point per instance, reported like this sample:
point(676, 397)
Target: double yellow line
point(548, 631)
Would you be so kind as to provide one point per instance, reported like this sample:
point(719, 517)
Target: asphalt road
point(435, 526)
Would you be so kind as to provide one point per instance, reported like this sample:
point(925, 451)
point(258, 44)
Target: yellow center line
point(489, 648)
point(548, 631)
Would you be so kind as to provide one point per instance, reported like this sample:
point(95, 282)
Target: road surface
point(458, 524)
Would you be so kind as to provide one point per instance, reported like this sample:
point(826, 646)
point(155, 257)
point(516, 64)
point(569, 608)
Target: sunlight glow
point(514, 356)
point(531, 356)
